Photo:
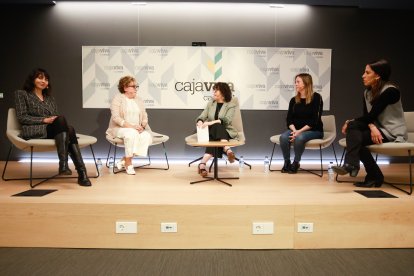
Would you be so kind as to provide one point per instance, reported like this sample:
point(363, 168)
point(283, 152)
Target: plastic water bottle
point(266, 164)
point(241, 163)
point(111, 164)
point(99, 165)
point(331, 176)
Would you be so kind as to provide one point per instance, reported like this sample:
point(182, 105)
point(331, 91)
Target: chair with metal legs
point(38, 145)
point(405, 149)
point(157, 139)
point(329, 135)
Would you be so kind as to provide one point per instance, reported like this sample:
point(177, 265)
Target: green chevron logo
point(212, 65)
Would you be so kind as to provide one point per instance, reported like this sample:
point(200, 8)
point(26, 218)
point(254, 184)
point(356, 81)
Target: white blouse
point(132, 112)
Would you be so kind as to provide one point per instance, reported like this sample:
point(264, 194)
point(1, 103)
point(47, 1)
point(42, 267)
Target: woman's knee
point(284, 138)
point(61, 121)
point(300, 140)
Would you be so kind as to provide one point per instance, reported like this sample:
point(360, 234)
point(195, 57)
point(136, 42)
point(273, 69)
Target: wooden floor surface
point(173, 186)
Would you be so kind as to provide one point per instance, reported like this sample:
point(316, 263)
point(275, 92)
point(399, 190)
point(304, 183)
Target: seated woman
point(37, 113)
point(129, 121)
point(218, 116)
point(303, 121)
point(382, 121)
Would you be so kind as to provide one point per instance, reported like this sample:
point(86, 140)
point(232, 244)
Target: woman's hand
point(199, 123)
point(345, 127)
point(293, 135)
point(49, 120)
point(139, 128)
point(376, 136)
point(206, 124)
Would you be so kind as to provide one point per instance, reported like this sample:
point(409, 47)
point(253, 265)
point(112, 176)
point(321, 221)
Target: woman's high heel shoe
point(346, 168)
point(202, 171)
point(230, 155)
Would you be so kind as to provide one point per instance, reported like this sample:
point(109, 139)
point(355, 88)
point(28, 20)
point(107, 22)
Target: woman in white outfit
point(129, 121)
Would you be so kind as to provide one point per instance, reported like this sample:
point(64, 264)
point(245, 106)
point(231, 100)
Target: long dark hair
point(28, 85)
point(383, 69)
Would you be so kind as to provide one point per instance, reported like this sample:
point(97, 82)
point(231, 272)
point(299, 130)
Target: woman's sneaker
point(130, 170)
point(120, 164)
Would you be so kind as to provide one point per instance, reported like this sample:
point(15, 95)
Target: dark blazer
point(31, 111)
point(225, 115)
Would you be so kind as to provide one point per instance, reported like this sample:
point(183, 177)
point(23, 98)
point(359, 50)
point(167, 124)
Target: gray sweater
point(387, 113)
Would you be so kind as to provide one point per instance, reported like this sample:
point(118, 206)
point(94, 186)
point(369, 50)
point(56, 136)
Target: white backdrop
point(181, 77)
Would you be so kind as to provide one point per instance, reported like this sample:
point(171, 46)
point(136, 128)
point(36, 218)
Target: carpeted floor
point(51, 261)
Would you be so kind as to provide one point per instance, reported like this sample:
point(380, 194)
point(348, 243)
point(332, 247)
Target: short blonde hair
point(124, 81)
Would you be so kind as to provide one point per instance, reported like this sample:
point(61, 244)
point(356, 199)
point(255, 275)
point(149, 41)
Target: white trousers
point(136, 144)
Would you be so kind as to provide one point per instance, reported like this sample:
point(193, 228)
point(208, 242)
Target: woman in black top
point(303, 121)
point(382, 121)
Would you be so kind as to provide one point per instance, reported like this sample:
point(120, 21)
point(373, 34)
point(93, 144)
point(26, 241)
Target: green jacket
point(226, 115)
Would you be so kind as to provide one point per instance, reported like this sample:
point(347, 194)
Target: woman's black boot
point(62, 141)
point(77, 159)
point(294, 167)
point(286, 166)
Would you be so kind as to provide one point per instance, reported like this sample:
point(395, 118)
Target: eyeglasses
point(134, 86)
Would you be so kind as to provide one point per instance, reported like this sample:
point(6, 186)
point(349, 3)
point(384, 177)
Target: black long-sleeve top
point(302, 114)
point(390, 95)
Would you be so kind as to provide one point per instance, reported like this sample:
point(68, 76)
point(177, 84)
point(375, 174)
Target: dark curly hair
point(225, 90)
point(29, 85)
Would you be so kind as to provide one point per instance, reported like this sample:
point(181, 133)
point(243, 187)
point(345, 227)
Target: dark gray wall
point(52, 36)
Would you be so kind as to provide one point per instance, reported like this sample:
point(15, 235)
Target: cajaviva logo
point(197, 86)
point(159, 51)
point(103, 85)
point(314, 53)
point(101, 51)
point(286, 53)
point(257, 52)
point(117, 68)
point(204, 86)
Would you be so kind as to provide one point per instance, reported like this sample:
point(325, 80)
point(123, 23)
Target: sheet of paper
point(202, 134)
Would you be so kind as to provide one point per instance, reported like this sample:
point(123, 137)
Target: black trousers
point(358, 136)
point(60, 125)
point(217, 132)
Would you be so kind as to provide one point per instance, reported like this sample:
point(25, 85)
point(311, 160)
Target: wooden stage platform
point(208, 215)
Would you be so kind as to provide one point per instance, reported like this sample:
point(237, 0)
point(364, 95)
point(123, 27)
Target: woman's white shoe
point(120, 164)
point(130, 170)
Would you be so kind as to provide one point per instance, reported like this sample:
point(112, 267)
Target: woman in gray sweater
point(382, 121)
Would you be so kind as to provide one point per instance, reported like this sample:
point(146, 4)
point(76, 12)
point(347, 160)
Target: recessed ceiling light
point(277, 6)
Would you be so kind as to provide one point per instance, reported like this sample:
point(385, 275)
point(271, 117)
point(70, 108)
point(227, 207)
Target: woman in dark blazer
point(218, 116)
point(37, 113)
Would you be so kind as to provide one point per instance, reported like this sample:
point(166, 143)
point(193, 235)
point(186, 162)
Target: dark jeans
point(298, 143)
point(217, 132)
point(60, 125)
point(358, 136)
